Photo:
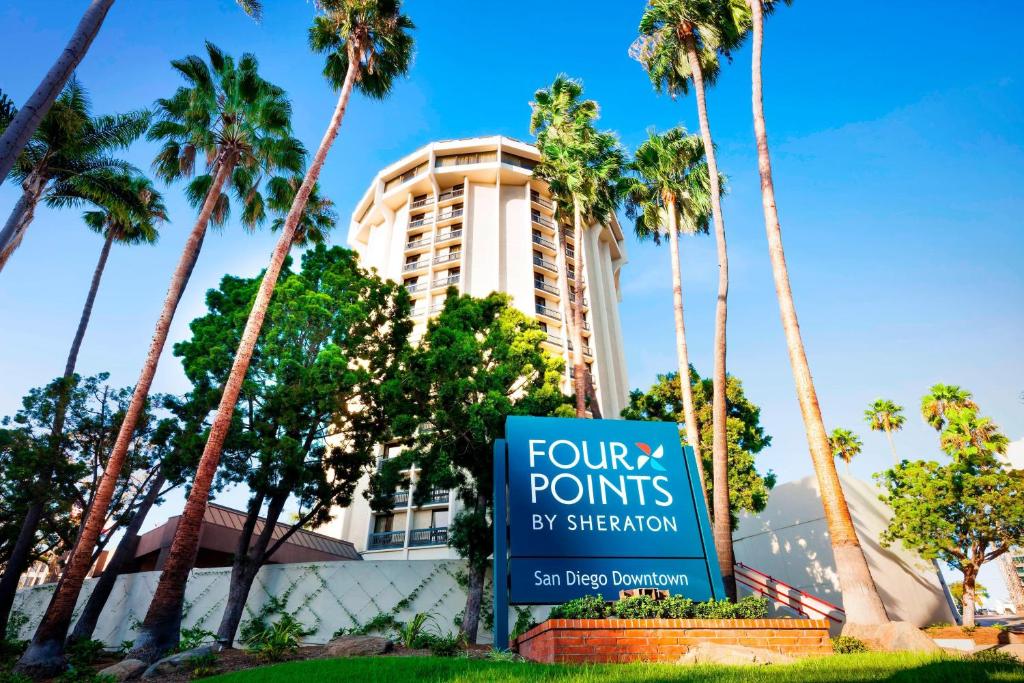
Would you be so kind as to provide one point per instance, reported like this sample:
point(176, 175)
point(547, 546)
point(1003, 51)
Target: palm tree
point(24, 125)
point(368, 46)
point(69, 157)
point(130, 216)
point(241, 124)
point(941, 399)
point(679, 44)
point(845, 445)
point(669, 193)
point(968, 434)
point(886, 416)
point(317, 220)
point(860, 595)
point(584, 172)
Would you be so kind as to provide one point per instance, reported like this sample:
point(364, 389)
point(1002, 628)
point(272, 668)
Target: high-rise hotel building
point(468, 213)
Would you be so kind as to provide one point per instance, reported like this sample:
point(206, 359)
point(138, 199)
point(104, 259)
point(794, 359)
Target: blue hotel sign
point(586, 507)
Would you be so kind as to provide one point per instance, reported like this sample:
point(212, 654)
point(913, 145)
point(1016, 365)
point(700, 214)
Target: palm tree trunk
point(892, 446)
point(28, 117)
point(578, 364)
point(719, 443)
point(45, 653)
point(30, 525)
point(563, 289)
point(125, 553)
point(685, 388)
point(160, 629)
point(21, 216)
point(860, 596)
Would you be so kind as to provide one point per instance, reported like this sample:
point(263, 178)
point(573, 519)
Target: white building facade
point(468, 213)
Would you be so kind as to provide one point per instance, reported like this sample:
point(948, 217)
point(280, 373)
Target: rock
point(892, 637)
point(707, 653)
point(179, 662)
point(357, 646)
point(127, 670)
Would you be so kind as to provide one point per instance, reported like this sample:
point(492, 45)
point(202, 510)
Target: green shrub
point(993, 656)
point(15, 622)
point(191, 638)
point(382, 623)
point(503, 656)
point(587, 607)
point(202, 666)
point(677, 607)
point(714, 609)
point(275, 641)
point(848, 645)
point(751, 607)
point(447, 645)
point(84, 653)
point(10, 651)
point(524, 622)
point(414, 634)
point(637, 607)
point(124, 648)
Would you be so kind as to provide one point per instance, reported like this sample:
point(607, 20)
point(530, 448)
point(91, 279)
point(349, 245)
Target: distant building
point(50, 570)
point(468, 213)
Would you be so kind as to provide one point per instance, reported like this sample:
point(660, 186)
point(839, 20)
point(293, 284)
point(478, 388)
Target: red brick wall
point(665, 640)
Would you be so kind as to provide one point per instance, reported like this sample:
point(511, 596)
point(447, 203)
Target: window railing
point(415, 265)
point(437, 496)
point(454, 213)
point(537, 217)
point(386, 539)
point(449, 236)
point(399, 499)
point(544, 263)
point(570, 253)
point(415, 244)
point(535, 197)
point(437, 535)
point(572, 298)
point(451, 194)
point(426, 220)
point(586, 349)
point(414, 287)
point(549, 312)
point(447, 258)
point(545, 287)
point(446, 281)
point(552, 339)
point(436, 308)
point(537, 239)
point(420, 202)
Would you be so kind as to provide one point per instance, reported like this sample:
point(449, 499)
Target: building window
point(383, 523)
point(439, 519)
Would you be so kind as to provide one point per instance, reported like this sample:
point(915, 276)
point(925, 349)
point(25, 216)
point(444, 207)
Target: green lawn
point(868, 667)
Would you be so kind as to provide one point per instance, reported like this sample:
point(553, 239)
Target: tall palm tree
point(584, 172)
point(241, 124)
point(679, 44)
point(860, 595)
point(24, 125)
point(368, 46)
point(669, 193)
point(846, 445)
point(129, 216)
point(886, 416)
point(966, 433)
point(942, 399)
point(69, 156)
point(317, 220)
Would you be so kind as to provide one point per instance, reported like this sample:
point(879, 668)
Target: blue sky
point(899, 163)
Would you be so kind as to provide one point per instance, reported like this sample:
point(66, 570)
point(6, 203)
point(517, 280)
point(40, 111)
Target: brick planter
point(665, 640)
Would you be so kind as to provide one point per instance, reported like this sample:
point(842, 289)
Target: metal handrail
point(537, 239)
point(386, 539)
point(549, 312)
point(415, 265)
point(552, 339)
point(786, 595)
point(445, 281)
point(451, 194)
point(399, 498)
point(418, 243)
point(415, 287)
point(535, 197)
point(447, 258)
point(421, 221)
point(450, 214)
point(545, 287)
point(437, 535)
point(450, 235)
point(537, 217)
point(544, 263)
point(419, 202)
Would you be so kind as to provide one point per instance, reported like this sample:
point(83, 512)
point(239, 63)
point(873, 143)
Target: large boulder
point(894, 636)
point(127, 670)
point(708, 653)
point(358, 646)
point(179, 662)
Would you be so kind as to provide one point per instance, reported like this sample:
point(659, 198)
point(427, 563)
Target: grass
point(898, 668)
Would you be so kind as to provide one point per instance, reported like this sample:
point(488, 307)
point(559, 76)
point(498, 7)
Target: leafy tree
point(334, 341)
point(748, 489)
point(368, 46)
point(241, 124)
point(679, 45)
point(941, 399)
point(583, 168)
point(68, 160)
point(479, 362)
point(965, 513)
point(956, 590)
point(886, 416)
point(668, 193)
point(845, 445)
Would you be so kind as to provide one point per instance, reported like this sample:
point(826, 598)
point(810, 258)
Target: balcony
point(572, 299)
point(447, 258)
point(448, 215)
point(399, 499)
point(451, 194)
point(415, 265)
point(449, 236)
point(415, 287)
point(426, 220)
point(552, 339)
point(545, 287)
point(436, 308)
point(437, 535)
point(417, 244)
point(446, 281)
point(541, 219)
point(586, 350)
point(548, 312)
point(570, 253)
point(548, 244)
point(544, 263)
point(380, 540)
point(537, 199)
point(420, 203)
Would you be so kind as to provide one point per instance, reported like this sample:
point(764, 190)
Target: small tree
point(956, 590)
point(845, 445)
point(480, 361)
point(886, 416)
point(966, 513)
